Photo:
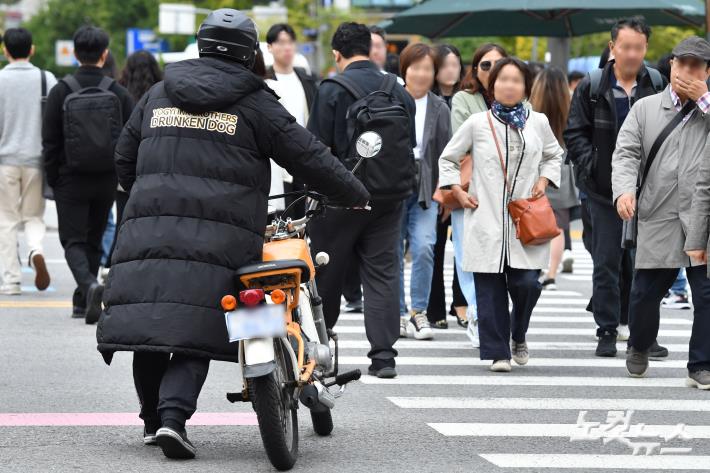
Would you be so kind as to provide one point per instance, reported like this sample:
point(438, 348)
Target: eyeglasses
point(485, 65)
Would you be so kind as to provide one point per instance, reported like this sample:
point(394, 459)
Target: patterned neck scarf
point(514, 116)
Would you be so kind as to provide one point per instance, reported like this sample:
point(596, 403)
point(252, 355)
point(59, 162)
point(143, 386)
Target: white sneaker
point(520, 353)
point(418, 327)
point(501, 366)
point(567, 261)
point(11, 290)
point(622, 333)
point(472, 333)
point(403, 327)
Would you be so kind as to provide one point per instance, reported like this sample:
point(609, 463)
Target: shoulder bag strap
point(500, 153)
point(677, 119)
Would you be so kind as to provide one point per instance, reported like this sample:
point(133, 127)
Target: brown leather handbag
point(445, 197)
point(535, 222)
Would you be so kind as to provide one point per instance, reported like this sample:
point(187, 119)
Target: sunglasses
point(485, 65)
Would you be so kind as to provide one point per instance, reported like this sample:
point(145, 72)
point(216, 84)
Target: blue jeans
point(679, 287)
point(419, 229)
point(468, 288)
point(107, 239)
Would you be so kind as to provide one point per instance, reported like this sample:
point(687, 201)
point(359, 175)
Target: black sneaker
point(78, 312)
point(150, 429)
point(607, 345)
point(354, 307)
point(175, 443)
point(388, 372)
point(93, 302)
point(636, 363)
point(657, 352)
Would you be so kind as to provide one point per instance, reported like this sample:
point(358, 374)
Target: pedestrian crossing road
point(62, 409)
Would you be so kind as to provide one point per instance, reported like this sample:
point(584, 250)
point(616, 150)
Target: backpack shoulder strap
point(388, 83)
point(656, 78)
point(72, 83)
point(106, 83)
point(348, 84)
point(595, 79)
point(43, 75)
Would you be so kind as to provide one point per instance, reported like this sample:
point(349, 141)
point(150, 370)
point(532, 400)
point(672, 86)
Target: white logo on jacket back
point(210, 121)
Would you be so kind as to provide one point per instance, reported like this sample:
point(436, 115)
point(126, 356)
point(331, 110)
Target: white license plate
point(263, 321)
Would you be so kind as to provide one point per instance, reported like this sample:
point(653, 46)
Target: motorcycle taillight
point(251, 297)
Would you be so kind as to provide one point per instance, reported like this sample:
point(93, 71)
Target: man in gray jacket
point(664, 205)
point(21, 200)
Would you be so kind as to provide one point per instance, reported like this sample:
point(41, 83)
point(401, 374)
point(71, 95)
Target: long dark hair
point(140, 74)
point(442, 51)
point(470, 82)
point(550, 95)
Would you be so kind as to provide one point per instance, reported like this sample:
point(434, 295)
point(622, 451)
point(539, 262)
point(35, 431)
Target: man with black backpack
point(362, 112)
point(84, 116)
point(599, 107)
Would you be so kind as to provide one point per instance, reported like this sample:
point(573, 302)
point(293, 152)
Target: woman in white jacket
point(501, 264)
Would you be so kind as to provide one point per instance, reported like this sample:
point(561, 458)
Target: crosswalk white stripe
point(546, 362)
point(588, 320)
point(479, 429)
point(531, 331)
point(608, 462)
point(510, 380)
point(405, 344)
point(551, 403)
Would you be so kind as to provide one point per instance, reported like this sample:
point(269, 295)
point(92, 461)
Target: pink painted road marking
point(116, 419)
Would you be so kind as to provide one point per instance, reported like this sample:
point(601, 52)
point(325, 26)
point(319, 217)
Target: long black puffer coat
point(195, 158)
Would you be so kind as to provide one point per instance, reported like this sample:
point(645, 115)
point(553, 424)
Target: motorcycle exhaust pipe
point(316, 397)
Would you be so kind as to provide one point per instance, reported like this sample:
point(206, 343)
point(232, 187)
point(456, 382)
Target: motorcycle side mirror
point(367, 146)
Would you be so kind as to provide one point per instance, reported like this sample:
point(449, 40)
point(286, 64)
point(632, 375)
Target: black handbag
point(629, 231)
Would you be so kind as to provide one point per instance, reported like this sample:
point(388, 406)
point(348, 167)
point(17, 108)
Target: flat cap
point(693, 46)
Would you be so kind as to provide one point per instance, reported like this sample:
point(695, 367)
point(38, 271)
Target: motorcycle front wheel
point(276, 411)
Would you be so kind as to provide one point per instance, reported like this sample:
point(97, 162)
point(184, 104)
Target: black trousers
point(83, 205)
point(494, 318)
point(167, 387)
point(649, 288)
point(372, 237)
point(437, 298)
point(352, 286)
point(613, 268)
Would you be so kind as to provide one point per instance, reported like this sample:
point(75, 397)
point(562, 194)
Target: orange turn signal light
point(229, 302)
point(278, 296)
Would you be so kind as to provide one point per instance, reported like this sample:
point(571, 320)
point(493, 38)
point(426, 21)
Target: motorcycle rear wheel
point(276, 413)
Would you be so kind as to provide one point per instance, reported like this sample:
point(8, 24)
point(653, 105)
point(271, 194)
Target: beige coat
point(664, 215)
point(490, 240)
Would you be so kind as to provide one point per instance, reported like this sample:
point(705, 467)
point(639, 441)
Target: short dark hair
point(374, 29)
point(273, 34)
point(635, 23)
point(508, 61)
point(18, 42)
point(352, 39)
point(415, 52)
point(90, 43)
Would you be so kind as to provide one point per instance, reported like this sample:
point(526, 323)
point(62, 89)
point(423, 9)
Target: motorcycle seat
point(275, 266)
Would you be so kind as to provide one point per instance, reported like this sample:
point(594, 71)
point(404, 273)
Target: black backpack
point(379, 125)
point(92, 123)
point(595, 79)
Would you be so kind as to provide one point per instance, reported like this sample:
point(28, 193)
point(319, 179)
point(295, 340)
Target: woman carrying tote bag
point(516, 155)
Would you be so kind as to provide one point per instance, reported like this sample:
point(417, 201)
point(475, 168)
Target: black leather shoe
point(607, 345)
point(657, 352)
point(93, 302)
point(387, 372)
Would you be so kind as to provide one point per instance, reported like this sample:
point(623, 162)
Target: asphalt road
point(63, 410)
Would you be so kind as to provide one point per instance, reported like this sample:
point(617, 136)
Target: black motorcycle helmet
point(228, 33)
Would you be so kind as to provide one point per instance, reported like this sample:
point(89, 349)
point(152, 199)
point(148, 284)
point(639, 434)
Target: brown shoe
point(41, 274)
